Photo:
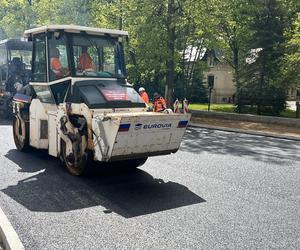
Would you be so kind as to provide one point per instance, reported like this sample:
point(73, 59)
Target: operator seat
point(16, 66)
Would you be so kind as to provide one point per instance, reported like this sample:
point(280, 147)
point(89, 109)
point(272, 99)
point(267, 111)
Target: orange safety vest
point(145, 97)
point(56, 66)
point(159, 104)
point(85, 62)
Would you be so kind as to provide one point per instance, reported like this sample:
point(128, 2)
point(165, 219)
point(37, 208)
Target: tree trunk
point(170, 75)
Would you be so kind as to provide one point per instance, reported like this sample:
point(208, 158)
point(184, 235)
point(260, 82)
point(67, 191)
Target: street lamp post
point(211, 82)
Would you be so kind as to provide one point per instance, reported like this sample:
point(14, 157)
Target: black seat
point(16, 66)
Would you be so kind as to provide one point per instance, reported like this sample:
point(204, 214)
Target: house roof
point(193, 53)
point(216, 53)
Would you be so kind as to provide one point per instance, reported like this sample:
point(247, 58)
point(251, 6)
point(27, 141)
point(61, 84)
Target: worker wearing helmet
point(159, 103)
point(144, 95)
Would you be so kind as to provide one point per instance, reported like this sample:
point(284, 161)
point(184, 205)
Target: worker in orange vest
point(56, 66)
point(159, 103)
point(55, 62)
point(144, 95)
point(85, 62)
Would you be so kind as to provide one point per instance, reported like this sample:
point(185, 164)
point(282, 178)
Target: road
point(220, 191)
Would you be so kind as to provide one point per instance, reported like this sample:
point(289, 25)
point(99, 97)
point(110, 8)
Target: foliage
point(196, 91)
point(19, 15)
point(260, 76)
point(15, 17)
point(168, 37)
point(291, 63)
point(266, 98)
point(233, 25)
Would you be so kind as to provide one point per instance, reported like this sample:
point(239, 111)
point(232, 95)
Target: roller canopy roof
point(17, 44)
point(75, 29)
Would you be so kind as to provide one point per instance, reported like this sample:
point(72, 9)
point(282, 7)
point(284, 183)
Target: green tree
point(266, 51)
point(291, 62)
point(233, 25)
point(160, 34)
point(62, 12)
point(15, 17)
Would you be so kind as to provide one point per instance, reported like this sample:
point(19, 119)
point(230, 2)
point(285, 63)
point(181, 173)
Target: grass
point(288, 113)
point(230, 108)
point(213, 107)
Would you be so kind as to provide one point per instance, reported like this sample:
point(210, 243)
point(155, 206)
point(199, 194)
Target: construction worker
point(55, 63)
point(159, 103)
point(144, 95)
point(85, 62)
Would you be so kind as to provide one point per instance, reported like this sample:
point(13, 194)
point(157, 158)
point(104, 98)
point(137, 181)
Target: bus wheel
point(74, 168)
point(21, 137)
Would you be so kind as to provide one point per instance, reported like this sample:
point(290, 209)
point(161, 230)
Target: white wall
point(224, 87)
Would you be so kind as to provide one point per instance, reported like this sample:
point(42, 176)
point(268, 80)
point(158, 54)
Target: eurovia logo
point(138, 126)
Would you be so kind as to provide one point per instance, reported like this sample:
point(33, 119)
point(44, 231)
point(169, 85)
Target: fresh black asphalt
point(222, 190)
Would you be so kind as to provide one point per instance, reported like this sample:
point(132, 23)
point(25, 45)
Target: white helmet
point(141, 89)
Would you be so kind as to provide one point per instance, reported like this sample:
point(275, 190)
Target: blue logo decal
point(124, 127)
point(182, 124)
point(138, 126)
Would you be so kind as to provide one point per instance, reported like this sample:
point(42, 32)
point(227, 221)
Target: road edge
point(243, 131)
point(8, 235)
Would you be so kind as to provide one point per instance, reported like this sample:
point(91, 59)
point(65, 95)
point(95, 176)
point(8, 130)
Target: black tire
point(22, 144)
point(78, 169)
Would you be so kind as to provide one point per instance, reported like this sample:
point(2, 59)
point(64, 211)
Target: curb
point(8, 235)
point(248, 132)
point(291, 122)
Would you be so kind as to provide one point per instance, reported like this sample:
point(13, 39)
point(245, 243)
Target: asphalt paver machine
point(81, 108)
point(15, 70)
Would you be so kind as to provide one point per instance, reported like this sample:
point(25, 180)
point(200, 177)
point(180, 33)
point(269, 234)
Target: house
point(220, 76)
point(218, 73)
point(293, 93)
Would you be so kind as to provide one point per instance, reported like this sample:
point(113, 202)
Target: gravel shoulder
point(271, 129)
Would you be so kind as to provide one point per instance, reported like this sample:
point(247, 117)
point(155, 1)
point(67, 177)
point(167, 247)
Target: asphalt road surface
point(220, 191)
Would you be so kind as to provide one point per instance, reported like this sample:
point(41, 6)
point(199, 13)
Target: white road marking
point(8, 235)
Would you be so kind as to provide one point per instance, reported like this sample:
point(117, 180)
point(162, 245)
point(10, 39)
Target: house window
point(211, 61)
point(211, 81)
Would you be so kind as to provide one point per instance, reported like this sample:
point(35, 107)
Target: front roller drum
point(75, 168)
point(21, 135)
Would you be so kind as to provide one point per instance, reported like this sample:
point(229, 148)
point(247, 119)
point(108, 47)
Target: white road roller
point(79, 107)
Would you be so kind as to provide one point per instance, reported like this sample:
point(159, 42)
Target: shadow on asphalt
point(259, 148)
point(127, 193)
